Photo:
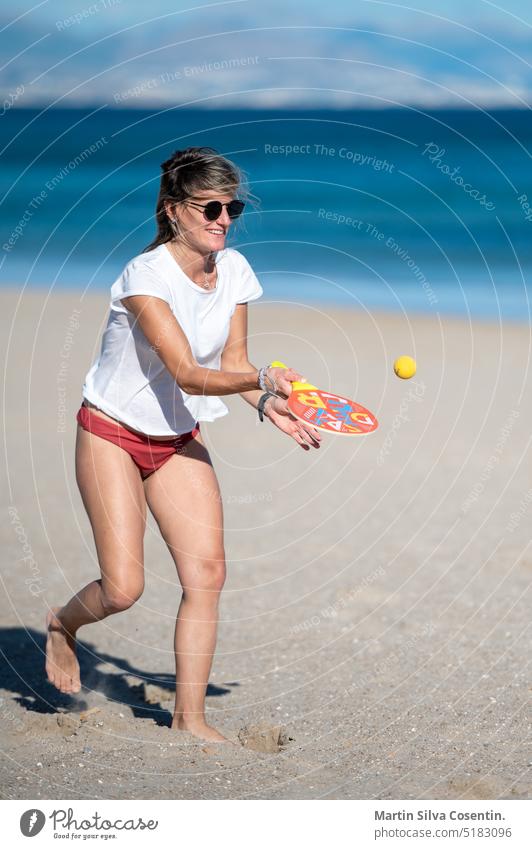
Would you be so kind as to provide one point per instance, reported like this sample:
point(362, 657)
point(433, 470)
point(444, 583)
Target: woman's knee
point(207, 575)
point(116, 598)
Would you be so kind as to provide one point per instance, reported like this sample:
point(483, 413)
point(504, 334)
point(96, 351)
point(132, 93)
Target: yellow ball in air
point(404, 367)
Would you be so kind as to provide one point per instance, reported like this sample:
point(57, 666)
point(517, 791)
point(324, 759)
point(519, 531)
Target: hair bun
point(181, 158)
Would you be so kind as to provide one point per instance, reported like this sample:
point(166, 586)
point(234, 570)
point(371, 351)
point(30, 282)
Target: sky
point(135, 54)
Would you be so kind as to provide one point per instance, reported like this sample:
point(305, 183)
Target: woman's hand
point(276, 409)
point(280, 379)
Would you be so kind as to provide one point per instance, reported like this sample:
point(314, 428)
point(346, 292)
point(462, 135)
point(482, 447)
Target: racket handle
point(297, 385)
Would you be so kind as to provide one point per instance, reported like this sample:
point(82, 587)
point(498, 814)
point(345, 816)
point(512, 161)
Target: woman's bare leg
point(111, 488)
point(184, 497)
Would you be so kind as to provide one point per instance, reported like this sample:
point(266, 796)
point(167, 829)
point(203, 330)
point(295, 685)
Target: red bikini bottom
point(148, 453)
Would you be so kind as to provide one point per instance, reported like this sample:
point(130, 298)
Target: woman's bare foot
point(198, 728)
point(62, 667)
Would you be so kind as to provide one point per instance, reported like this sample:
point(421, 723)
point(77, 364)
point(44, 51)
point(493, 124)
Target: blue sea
point(394, 209)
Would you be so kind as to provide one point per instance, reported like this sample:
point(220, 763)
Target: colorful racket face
point(328, 411)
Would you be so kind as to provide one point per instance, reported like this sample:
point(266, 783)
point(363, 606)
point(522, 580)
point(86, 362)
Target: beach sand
point(377, 605)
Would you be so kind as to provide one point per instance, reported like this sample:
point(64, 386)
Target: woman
point(175, 340)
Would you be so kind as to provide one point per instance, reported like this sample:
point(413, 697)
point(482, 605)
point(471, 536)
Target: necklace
point(205, 284)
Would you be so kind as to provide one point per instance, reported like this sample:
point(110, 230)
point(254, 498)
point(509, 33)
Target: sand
point(376, 614)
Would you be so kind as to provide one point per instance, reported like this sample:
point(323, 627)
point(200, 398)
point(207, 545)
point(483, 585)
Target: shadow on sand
point(23, 674)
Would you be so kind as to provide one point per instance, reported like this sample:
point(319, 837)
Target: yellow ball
point(404, 367)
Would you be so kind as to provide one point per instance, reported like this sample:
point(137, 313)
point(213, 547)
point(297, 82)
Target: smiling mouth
point(216, 231)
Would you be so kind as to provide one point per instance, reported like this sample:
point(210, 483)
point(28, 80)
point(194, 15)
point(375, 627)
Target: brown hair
point(184, 174)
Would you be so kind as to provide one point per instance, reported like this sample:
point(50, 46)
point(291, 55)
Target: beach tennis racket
point(327, 411)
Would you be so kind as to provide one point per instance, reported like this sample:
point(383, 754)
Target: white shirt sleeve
point(138, 279)
point(248, 288)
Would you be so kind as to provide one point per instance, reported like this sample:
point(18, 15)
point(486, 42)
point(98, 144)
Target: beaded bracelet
point(263, 377)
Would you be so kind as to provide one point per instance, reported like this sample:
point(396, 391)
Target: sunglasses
point(213, 209)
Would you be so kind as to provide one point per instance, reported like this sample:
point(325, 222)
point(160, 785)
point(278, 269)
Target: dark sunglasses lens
point(234, 208)
point(212, 210)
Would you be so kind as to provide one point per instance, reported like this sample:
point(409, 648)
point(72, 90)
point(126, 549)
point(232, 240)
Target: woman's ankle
point(188, 719)
point(66, 627)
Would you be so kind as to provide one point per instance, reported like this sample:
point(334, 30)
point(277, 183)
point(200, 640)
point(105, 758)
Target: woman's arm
point(235, 352)
point(235, 358)
point(168, 340)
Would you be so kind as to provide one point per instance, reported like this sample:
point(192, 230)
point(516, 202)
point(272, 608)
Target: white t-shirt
point(128, 380)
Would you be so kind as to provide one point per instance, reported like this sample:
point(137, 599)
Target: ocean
point(386, 209)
